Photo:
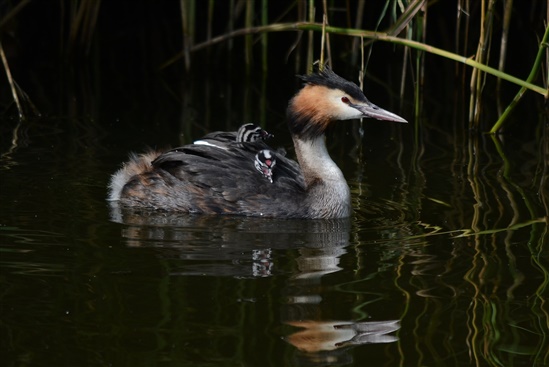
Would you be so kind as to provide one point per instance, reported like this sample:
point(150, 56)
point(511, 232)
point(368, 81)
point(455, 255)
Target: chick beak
point(369, 109)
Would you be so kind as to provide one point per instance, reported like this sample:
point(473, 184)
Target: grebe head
point(249, 133)
point(264, 163)
point(326, 97)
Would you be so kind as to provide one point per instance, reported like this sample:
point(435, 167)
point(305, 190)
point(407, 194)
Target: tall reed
point(404, 23)
point(408, 27)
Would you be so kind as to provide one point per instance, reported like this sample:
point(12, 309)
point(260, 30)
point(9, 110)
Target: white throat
point(315, 161)
point(328, 193)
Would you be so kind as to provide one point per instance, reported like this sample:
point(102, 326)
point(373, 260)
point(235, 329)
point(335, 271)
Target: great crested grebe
point(218, 176)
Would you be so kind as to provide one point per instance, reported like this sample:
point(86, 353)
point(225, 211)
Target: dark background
point(118, 60)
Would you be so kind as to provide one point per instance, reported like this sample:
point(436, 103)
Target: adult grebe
point(220, 177)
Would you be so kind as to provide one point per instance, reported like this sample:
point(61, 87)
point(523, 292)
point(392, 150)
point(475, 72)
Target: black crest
point(328, 78)
point(303, 124)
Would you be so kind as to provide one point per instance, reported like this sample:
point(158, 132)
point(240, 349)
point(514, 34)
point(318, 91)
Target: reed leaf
point(378, 36)
point(12, 13)
point(402, 22)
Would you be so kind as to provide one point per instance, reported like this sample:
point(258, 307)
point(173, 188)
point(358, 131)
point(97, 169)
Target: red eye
point(345, 100)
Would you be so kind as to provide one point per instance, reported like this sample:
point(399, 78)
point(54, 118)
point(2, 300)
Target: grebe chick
point(251, 133)
point(264, 163)
point(201, 178)
point(247, 133)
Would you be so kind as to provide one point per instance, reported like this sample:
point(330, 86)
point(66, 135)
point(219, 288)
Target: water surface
point(444, 261)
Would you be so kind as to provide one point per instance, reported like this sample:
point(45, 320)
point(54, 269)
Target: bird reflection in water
point(248, 248)
point(319, 340)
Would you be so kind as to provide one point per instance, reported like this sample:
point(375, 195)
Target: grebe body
point(218, 173)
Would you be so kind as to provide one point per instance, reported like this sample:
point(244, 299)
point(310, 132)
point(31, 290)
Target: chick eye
point(345, 100)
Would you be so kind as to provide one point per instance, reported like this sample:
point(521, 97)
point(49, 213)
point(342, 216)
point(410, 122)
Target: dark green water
point(444, 262)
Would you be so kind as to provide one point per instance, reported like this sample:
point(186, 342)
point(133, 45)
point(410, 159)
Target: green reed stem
point(535, 68)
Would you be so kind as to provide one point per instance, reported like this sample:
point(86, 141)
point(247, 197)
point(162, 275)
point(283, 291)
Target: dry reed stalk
point(326, 36)
point(187, 23)
point(83, 24)
point(358, 25)
point(12, 13)
point(211, 5)
point(507, 11)
point(264, 39)
point(248, 39)
point(11, 82)
point(310, 44)
point(21, 99)
point(420, 62)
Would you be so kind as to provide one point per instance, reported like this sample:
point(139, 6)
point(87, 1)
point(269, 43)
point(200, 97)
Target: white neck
point(328, 192)
point(315, 161)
